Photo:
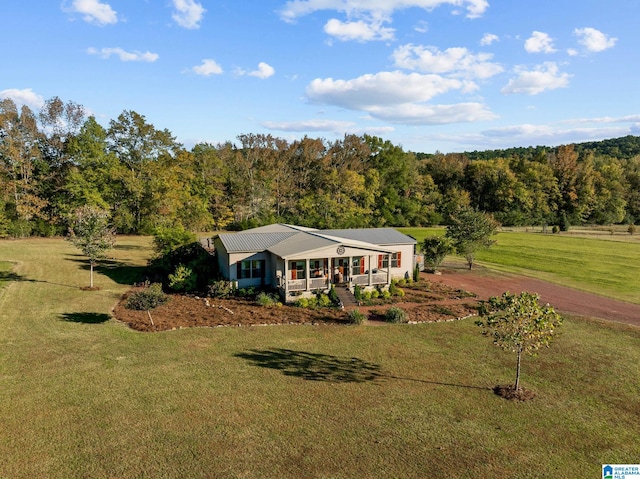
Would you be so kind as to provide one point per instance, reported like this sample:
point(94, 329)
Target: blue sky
point(447, 75)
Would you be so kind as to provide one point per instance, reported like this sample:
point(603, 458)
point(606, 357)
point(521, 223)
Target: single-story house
point(299, 261)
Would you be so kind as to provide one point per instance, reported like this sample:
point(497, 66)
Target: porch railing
point(318, 283)
point(363, 279)
point(297, 285)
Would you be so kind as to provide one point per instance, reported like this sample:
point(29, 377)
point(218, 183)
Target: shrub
point(249, 292)
point(366, 296)
point(631, 229)
point(399, 292)
point(395, 315)
point(393, 287)
point(147, 299)
point(166, 239)
point(313, 302)
point(357, 292)
point(416, 273)
point(375, 294)
point(182, 279)
point(302, 303)
point(193, 256)
point(323, 301)
point(555, 229)
point(267, 300)
point(386, 294)
point(355, 316)
point(333, 296)
point(220, 289)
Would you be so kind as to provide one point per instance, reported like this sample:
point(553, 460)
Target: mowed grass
point(599, 263)
point(83, 396)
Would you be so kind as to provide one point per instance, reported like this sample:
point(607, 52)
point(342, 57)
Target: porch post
point(327, 267)
point(286, 279)
point(370, 269)
point(388, 269)
point(307, 275)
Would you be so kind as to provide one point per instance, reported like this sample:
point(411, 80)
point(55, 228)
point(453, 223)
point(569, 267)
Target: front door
point(340, 270)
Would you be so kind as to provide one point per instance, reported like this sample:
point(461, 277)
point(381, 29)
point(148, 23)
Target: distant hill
point(623, 148)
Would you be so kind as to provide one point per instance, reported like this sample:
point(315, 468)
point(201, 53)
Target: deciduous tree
point(90, 232)
point(517, 323)
point(470, 231)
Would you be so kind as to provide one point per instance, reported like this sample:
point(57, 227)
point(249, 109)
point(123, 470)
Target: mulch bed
point(425, 301)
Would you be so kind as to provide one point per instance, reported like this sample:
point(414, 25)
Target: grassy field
point(84, 396)
point(600, 263)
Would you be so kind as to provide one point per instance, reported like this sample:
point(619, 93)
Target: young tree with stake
point(519, 324)
point(90, 232)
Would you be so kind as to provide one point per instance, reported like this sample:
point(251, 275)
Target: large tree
point(470, 231)
point(517, 323)
point(90, 232)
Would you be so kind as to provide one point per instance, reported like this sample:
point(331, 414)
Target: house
point(299, 261)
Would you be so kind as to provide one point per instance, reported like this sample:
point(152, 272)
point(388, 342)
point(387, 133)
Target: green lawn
point(599, 263)
point(84, 396)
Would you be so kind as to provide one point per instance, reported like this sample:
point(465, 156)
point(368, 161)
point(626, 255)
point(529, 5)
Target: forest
point(60, 158)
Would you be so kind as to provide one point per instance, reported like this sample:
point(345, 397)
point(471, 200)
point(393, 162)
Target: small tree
point(519, 324)
point(470, 231)
point(147, 299)
point(90, 232)
point(435, 249)
point(167, 239)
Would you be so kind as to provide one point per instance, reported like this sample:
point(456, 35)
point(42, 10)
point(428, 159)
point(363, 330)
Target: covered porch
point(308, 275)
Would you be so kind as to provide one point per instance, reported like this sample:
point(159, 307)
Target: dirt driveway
point(565, 300)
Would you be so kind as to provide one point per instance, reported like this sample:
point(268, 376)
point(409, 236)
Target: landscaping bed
point(425, 301)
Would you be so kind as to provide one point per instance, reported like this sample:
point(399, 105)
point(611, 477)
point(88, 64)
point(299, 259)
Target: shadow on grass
point(323, 367)
point(121, 273)
point(313, 366)
point(10, 276)
point(85, 318)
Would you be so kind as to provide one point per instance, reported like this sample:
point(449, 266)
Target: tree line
point(59, 159)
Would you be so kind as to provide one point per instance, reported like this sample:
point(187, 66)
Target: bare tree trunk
point(91, 275)
point(517, 386)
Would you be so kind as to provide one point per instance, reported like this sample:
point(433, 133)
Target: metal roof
point(247, 242)
point(378, 236)
point(287, 240)
point(301, 243)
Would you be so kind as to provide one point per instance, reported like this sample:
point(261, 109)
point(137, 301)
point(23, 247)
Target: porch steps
point(346, 296)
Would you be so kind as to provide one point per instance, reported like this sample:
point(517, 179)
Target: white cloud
point(264, 71)
point(22, 97)
point(125, 56)
point(532, 82)
point(95, 12)
point(360, 30)
point(419, 114)
point(572, 52)
point(376, 8)
point(457, 61)
point(488, 39)
point(384, 88)
point(398, 97)
point(594, 40)
point(207, 68)
point(539, 42)
point(309, 125)
point(332, 126)
point(188, 14)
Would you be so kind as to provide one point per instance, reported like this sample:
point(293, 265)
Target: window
point(251, 269)
point(396, 260)
point(357, 266)
point(298, 269)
